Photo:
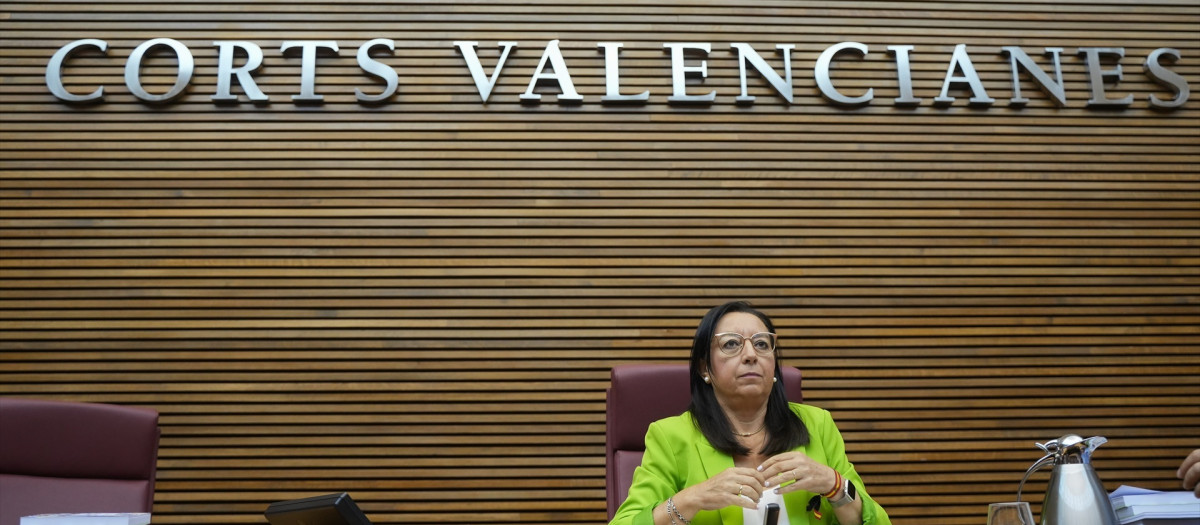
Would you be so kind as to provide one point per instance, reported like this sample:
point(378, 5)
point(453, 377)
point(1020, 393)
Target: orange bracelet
point(836, 486)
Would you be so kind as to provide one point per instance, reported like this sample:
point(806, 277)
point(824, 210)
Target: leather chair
point(640, 395)
point(60, 457)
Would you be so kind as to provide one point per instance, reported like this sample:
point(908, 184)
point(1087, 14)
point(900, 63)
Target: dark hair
point(785, 430)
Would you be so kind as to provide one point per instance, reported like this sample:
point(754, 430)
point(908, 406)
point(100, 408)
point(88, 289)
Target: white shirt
point(755, 517)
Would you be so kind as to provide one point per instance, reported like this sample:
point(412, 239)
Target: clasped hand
point(743, 486)
point(798, 467)
point(738, 486)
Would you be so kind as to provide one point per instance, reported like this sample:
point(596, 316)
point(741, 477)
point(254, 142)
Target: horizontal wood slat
point(420, 301)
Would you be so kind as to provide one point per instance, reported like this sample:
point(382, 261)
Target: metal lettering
point(225, 70)
point(904, 76)
point(826, 84)
point(133, 70)
point(1054, 87)
point(1167, 78)
point(782, 85)
point(1159, 67)
point(54, 71)
point(1097, 77)
point(560, 76)
point(482, 82)
point(308, 67)
point(378, 69)
point(961, 60)
point(612, 78)
point(679, 74)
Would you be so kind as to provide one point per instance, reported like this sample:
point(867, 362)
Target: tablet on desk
point(330, 509)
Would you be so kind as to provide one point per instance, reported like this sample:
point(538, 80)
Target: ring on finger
point(794, 475)
point(741, 488)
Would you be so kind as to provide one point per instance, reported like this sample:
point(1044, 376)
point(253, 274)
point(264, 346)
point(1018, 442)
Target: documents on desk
point(1137, 506)
point(97, 518)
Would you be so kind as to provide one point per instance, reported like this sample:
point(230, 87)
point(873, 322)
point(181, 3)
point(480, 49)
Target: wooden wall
point(419, 302)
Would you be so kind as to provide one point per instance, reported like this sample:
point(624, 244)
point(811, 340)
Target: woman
point(741, 443)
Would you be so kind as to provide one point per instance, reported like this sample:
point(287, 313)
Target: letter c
point(826, 85)
point(54, 71)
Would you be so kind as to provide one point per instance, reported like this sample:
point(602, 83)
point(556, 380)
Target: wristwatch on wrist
point(849, 493)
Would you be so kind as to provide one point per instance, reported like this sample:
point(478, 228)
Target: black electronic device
point(329, 509)
point(772, 515)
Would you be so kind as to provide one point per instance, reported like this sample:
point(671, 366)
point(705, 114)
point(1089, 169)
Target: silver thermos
point(1075, 495)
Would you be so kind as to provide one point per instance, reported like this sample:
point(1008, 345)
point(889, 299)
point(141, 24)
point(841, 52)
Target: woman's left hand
point(795, 466)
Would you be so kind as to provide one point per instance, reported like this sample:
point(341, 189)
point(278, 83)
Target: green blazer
point(678, 456)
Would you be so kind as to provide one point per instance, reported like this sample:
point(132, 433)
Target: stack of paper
point(1136, 506)
point(106, 518)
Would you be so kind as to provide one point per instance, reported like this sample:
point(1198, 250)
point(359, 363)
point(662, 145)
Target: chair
point(60, 457)
point(640, 395)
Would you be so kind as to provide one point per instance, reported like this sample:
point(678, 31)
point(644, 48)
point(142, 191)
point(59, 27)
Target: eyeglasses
point(731, 343)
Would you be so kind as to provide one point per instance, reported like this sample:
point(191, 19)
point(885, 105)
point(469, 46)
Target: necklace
point(748, 434)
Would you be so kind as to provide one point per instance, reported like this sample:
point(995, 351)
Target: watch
point(849, 493)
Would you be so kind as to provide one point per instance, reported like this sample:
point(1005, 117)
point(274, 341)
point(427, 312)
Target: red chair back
point(58, 457)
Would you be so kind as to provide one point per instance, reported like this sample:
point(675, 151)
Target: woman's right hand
point(734, 486)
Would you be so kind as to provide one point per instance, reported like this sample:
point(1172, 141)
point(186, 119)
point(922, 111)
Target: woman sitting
point(741, 445)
